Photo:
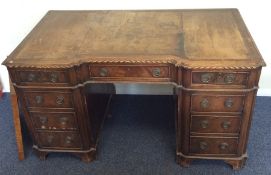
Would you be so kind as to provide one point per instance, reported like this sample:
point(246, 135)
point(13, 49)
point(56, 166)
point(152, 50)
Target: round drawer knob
point(68, 140)
point(103, 72)
point(207, 77)
point(53, 78)
point(156, 72)
point(203, 145)
point(228, 103)
point(50, 139)
point(59, 100)
point(226, 125)
point(204, 103)
point(39, 99)
point(63, 120)
point(223, 146)
point(204, 124)
point(31, 77)
point(229, 78)
point(43, 121)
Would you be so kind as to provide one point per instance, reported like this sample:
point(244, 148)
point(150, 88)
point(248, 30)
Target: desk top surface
point(192, 38)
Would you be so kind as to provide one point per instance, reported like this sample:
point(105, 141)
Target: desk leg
point(17, 126)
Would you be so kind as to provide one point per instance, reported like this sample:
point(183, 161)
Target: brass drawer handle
point(156, 72)
point(68, 140)
point(31, 77)
point(228, 103)
point(50, 139)
point(59, 100)
point(204, 124)
point(63, 120)
point(43, 121)
point(207, 77)
point(203, 145)
point(204, 103)
point(103, 72)
point(224, 146)
point(53, 77)
point(226, 125)
point(39, 99)
point(229, 78)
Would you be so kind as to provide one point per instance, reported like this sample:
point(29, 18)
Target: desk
point(65, 71)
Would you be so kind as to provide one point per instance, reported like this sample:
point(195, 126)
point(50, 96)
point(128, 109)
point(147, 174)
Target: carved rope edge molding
point(174, 60)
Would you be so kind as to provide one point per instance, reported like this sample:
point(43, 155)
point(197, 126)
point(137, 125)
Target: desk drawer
point(220, 78)
point(48, 99)
point(63, 140)
point(217, 103)
point(54, 120)
point(208, 145)
point(215, 124)
point(41, 76)
point(130, 71)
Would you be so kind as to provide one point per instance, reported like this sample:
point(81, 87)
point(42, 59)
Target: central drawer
point(126, 72)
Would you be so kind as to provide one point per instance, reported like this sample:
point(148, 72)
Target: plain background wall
point(18, 17)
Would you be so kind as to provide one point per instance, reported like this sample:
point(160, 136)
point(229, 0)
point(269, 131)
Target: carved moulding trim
point(175, 85)
point(213, 158)
point(56, 150)
point(218, 90)
point(188, 63)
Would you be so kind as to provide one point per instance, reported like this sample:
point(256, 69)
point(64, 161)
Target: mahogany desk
point(65, 71)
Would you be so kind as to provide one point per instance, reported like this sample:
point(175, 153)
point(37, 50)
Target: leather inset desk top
point(189, 38)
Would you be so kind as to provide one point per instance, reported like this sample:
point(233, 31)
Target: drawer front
point(63, 140)
point(215, 124)
point(49, 99)
point(203, 145)
point(54, 120)
point(129, 71)
point(220, 78)
point(56, 77)
point(217, 103)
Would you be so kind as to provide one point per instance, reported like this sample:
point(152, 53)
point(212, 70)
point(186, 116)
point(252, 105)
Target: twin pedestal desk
point(66, 70)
